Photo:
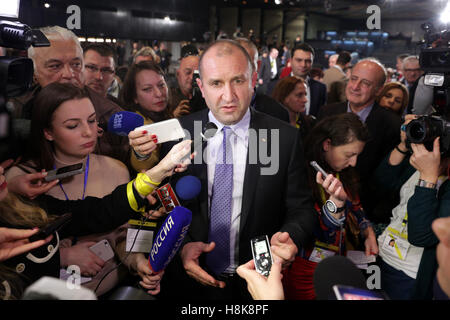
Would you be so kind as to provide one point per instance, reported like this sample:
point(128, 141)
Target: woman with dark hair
point(64, 132)
point(334, 143)
point(291, 93)
point(91, 215)
point(145, 92)
point(394, 96)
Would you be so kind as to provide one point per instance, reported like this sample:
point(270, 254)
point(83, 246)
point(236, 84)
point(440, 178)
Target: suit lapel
point(252, 172)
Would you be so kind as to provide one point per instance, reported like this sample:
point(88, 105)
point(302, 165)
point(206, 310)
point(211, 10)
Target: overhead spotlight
point(47, 5)
point(278, 1)
point(166, 18)
point(445, 15)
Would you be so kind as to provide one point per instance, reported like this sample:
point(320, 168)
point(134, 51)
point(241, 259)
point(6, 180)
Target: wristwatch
point(332, 207)
point(426, 184)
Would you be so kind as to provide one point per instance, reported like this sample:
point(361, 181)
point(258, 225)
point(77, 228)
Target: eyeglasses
point(94, 69)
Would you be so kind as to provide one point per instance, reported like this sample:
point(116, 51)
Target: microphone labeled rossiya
point(169, 238)
point(172, 232)
point(122, 122)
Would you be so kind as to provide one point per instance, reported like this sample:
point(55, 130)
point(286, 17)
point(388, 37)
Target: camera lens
point(416, 131)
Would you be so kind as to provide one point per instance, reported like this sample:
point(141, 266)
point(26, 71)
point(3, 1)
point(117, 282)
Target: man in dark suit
point(264, 196)
point(269, 72)
point(301, 62)
point(260, 101)
point(365, 84)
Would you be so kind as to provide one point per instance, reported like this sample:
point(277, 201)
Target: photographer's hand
point(427, 162)
point(182, 109)
point(400, 151)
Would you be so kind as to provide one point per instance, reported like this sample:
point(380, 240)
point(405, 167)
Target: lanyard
point(86, 173)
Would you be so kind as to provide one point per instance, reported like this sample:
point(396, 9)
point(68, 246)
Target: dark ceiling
point(349, 9)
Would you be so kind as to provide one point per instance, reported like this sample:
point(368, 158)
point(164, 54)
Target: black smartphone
point(318, 168)
point(52, 227)
point(64, 172)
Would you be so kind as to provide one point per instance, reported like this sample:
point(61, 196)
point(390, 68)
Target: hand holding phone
point(64, 172)
point(262, 255)
point(51, 227)
point(318, 168)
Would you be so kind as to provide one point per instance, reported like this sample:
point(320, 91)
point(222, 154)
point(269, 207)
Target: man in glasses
point(412, 73)
point(63, 62)
point(99, 69)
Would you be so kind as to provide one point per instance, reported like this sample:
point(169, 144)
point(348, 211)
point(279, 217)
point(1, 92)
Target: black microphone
point(336, 270)
point(209, 130)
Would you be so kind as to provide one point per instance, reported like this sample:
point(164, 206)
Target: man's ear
point(200, 85)
point(254, 79)
point(48, 135)
point(326, 145)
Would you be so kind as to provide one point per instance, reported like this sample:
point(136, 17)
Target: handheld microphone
point(122, 122)
point(209, 130)
point(187, 188)
point(169, 238)
point(336, 270)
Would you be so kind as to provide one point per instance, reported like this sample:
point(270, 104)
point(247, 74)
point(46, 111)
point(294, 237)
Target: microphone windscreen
point(188, 187)
point(121, 123)
point(336, 270)
point(169, 238)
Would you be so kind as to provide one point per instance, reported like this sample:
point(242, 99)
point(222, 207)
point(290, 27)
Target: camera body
point(435, 61)
point(424, 130)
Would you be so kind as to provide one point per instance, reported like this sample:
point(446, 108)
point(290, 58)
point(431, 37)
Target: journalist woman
point(408, 244)
point(91, 215)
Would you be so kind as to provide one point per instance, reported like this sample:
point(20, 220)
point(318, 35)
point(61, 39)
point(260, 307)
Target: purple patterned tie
point(220, 220)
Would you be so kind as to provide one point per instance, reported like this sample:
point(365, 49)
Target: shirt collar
point(240, 129)
point(363, 114)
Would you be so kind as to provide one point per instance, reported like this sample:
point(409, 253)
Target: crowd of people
point(381, 194)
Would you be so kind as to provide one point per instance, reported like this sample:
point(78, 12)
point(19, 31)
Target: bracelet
point(147, 179)
point(144, 185)
point(139, 156)
point(426, 184)
point(402, 152)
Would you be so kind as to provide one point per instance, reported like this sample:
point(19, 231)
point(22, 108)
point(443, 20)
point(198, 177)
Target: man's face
point(399, 65)
point(185, 73)
point(411, 70)
point(364, 84)
point(301, 63)
point(226, 84)
point(61, 62)
point(98, 72)
point(274, 53)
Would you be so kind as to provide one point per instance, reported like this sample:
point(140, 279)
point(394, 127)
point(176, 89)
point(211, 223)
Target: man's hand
point(190, 255)
point(284, 248)
point(182, 109)
point(31, 185)
point(426, 162)
point(260, 287)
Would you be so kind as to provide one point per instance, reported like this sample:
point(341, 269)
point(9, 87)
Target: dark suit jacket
point(384, 130)
point(265, 104)
point(318, 96)
point(271, 203)
point(265, 71)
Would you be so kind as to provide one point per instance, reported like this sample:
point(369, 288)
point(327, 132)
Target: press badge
point(319, 253)
point(396, 245)
point(141, 235)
